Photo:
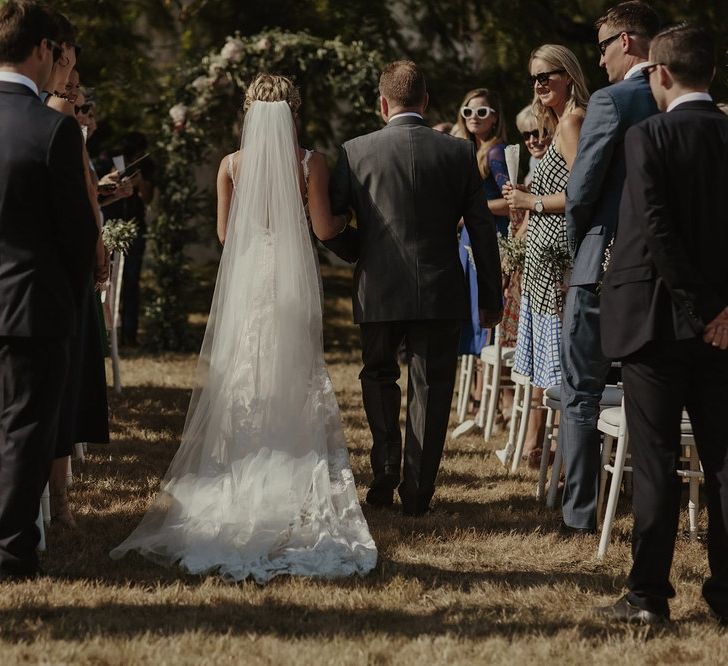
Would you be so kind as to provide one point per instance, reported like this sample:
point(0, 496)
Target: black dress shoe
point(380, 497)
point(7, 577)
point(568, 530)
point(625, 611)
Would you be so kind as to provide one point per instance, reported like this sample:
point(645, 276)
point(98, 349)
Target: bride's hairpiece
point(272, 88)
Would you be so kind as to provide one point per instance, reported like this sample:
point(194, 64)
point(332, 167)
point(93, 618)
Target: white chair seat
point(612, 416)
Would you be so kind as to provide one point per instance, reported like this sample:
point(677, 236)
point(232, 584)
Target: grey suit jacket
point(597, 176)
point(409, 187)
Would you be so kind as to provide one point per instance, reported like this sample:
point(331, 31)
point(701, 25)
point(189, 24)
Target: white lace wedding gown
point(261, 483)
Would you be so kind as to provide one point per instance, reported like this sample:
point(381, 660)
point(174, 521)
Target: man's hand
point(490, 318)
point(716, 332)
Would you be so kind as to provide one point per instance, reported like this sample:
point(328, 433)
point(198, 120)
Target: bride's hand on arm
point(325, 224)
point(224, 197)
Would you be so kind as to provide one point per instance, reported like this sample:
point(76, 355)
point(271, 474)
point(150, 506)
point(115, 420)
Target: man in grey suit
point(592, 207)
point(409, 186)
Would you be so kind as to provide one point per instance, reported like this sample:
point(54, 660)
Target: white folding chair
point(492, 358)
point(613, 421)
point(522, 391)
point(111, 297)
point(465, 380)
point(611, 397)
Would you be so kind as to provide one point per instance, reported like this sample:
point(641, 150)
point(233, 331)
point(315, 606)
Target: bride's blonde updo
point(272, 88)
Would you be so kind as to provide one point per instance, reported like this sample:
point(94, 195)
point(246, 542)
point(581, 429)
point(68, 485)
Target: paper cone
point(512, 157)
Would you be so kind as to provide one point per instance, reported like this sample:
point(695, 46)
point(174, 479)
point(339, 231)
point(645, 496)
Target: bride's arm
point(325, 224)
point(224, 196)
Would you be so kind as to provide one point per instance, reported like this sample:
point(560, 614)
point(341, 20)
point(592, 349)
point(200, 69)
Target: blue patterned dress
point(539, 323)
point(473, 338)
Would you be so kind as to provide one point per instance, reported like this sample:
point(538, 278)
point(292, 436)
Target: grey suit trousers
point(584, 370)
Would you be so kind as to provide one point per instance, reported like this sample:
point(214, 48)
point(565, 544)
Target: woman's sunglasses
point(482, 112)
point(543, 77)
point(85, 108)
point(534, 134)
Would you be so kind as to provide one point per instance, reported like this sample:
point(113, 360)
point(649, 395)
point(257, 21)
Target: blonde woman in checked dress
point(559, 104)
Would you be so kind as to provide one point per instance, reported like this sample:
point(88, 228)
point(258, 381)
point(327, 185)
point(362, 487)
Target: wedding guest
point(47, 238)
point(559, 102)
point(592, 201)
point(665, 314)
point(536, 140)
point(84, 412)
point(481, 121)
point(59, 93)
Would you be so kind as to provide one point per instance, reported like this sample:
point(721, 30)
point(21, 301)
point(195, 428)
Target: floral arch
point(338, 83)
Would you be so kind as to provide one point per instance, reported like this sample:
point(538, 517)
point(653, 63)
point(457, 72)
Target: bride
point(261, 484)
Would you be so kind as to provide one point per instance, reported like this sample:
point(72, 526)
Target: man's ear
point(384, 107)
point(664, 77)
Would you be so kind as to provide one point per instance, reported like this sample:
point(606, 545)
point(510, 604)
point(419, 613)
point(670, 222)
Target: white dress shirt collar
point(635, 70)
point(689, 97)
point(406, 113)
point(14, 77)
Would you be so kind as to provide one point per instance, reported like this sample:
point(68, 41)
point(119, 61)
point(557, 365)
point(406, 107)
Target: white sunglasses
point(482, 111)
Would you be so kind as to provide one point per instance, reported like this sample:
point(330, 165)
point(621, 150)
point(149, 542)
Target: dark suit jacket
point(597, 176)
point(409, 186)
point(47, 226)
point(668, 276)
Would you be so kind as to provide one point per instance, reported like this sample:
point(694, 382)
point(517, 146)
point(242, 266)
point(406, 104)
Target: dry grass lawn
point(485, 578)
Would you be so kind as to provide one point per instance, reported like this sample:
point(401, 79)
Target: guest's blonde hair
point(559, 57)
point(498, 134)
point(272, 88)
point(526, 119)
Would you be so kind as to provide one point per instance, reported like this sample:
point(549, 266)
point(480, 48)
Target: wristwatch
point(538, 206)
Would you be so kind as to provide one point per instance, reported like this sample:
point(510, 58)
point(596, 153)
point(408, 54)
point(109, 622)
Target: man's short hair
point(23, 26)
point(402, 83)
point(688, 51)
point(634, 16)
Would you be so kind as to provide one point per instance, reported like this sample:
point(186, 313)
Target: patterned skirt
point(538, 345)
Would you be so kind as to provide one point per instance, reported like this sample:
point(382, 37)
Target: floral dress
point(539, 323)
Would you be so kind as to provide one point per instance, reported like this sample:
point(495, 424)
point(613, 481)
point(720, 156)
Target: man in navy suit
point(665, 314)
point(47, 240)
point(592, 201)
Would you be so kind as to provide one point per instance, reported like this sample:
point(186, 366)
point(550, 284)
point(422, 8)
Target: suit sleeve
point(483, 239)
point(345, 244)
point(598, 136)
point(647, 183)
point(75, 222)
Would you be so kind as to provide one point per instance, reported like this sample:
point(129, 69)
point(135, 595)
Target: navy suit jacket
point(668, 276)
point(47, 226)
point(597, 176)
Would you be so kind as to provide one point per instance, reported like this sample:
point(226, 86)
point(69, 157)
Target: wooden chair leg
point(694, 485)
point(545, 454)
point(522, 426)
point(607, 447)
point(555, 477)
point(505, 454)
point(493, 399)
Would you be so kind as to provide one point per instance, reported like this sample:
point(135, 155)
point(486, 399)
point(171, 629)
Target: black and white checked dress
point(539, 325)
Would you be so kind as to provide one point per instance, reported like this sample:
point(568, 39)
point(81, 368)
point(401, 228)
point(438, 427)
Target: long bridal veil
point(261, 483)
